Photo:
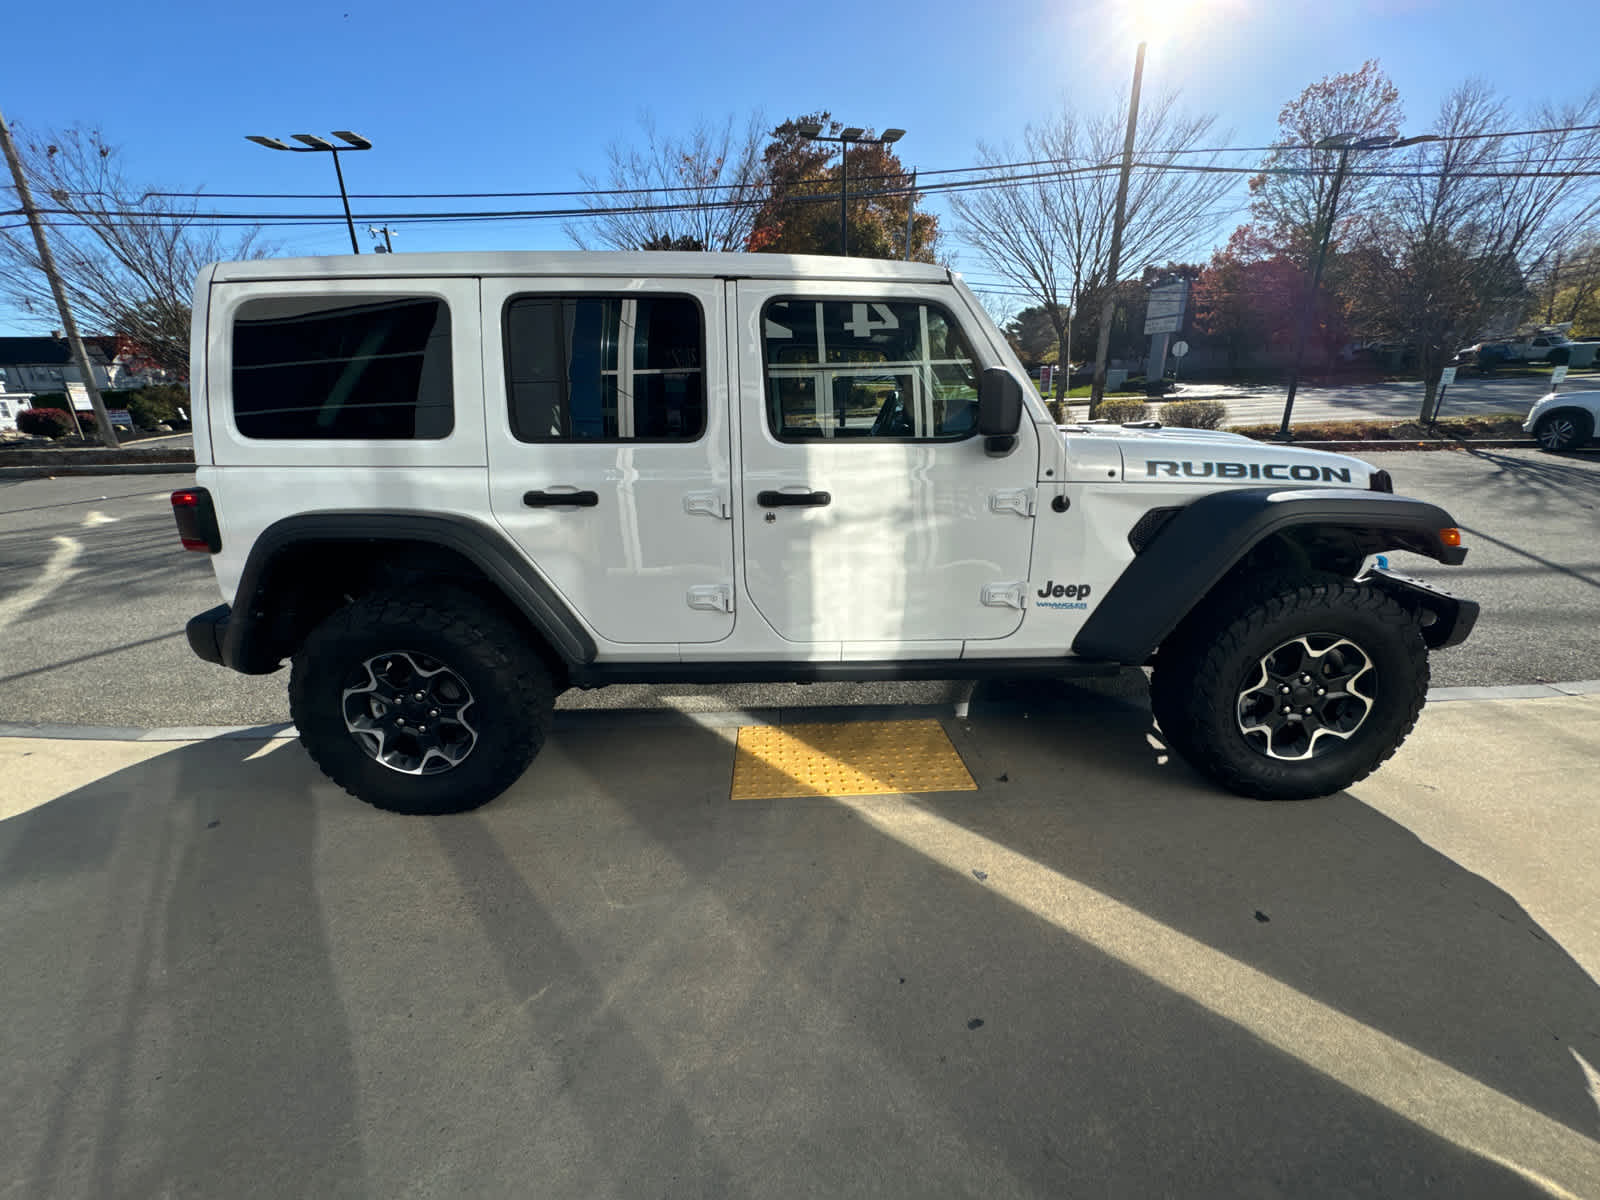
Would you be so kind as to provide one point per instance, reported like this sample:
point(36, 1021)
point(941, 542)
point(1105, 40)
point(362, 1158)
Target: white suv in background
point(1564, 420)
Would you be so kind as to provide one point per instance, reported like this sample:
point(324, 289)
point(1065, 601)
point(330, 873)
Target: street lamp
point(812, 132)
point(317, 145)
point(1344, 143)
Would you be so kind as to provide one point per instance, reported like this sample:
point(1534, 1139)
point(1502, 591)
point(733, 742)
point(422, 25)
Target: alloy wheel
point(409, 712)
point(1307, 696)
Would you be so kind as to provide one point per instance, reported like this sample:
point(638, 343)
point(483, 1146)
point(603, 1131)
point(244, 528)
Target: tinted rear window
point(308, 369)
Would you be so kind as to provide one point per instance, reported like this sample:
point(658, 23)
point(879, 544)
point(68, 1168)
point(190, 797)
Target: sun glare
point(1163, 22)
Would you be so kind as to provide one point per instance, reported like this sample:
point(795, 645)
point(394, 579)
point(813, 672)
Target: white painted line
point(56, 572)
point(96, 517)
point(1586, 687)
point(171, 733)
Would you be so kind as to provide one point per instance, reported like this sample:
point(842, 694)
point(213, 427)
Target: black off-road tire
point(1204, 667)
point(511, 688)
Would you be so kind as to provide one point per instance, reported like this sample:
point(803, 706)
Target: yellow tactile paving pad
point(865, 758)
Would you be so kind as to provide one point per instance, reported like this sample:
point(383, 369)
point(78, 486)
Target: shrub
point(1120, 411)
point(1194, 414)
point(157, 405)
point(46, 422)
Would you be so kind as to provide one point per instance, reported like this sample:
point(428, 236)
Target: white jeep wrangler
point(447, 487)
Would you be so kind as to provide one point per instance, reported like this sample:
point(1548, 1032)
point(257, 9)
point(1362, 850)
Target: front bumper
point(1446, 619)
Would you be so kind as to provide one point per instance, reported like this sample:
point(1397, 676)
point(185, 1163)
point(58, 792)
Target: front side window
point(314, 368)
point(605, 368)
point(851, 369)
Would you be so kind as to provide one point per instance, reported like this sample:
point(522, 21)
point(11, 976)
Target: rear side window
point(605, 368)
point(309, 368)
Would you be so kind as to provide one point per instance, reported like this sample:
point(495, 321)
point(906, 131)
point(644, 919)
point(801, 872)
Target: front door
point(872, 515)
point(608, 430)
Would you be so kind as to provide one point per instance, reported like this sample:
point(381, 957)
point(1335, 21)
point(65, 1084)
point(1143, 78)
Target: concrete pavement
point(1096, 975)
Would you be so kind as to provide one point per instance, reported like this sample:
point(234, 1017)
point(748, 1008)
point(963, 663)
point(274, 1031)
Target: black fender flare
point(238, 639)
point(1204, 540)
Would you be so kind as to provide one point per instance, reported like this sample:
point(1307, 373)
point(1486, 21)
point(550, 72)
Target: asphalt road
point(94, 593)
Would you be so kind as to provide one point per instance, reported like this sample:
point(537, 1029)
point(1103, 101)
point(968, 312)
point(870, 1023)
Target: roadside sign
point(1164, 310)
point(1179, 349)
point(1557, 374)
point(1447, 377)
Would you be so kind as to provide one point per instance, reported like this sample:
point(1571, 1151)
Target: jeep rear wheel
point(1292, 690)
point(420, 704)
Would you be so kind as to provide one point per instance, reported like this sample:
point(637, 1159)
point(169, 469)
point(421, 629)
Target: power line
point(210, 218)
point(746, 185)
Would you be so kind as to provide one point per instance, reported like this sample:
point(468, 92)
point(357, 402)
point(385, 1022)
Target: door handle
point(793, 499)
point(560, 499)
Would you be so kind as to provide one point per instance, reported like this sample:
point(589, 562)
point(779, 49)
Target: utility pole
point(108, 435)
point(1097, 389)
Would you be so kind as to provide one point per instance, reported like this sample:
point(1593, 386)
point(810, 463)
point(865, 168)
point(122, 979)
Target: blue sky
point(475, 96)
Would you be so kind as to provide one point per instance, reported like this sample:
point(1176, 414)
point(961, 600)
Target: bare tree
point(1047, 228)
point(695, 192)
point(1292, 195)
point(128, 257)
point(1465, 221)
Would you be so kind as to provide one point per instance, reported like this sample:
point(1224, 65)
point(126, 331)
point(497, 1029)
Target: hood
point(1190, 456)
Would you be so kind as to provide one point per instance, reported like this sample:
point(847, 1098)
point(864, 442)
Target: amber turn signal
point(1450, 537)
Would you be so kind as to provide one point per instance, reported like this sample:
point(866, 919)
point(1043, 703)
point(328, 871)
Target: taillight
point(197, 520)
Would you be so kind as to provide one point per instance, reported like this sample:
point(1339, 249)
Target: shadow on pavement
point(1548, 474)
point(617, 981)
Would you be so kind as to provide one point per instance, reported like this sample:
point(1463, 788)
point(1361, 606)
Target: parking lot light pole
point(812, 132)
point(317, 145)
point(1344, 144)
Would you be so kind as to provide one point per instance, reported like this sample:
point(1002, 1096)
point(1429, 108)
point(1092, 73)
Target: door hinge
point(712, 597)
point(1019, 502)
point(712, 504)
point(1005, 595)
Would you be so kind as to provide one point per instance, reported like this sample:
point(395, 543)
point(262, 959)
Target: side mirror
point(999, 411)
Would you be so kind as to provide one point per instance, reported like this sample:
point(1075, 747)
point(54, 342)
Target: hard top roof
point(606, 263)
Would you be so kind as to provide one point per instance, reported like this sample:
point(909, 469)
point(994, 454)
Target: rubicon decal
point(1300, 472)
point(1063, 595)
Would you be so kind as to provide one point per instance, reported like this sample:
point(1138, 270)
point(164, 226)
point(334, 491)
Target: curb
point(646, 718)
point(1374, 445)
point(63, 470)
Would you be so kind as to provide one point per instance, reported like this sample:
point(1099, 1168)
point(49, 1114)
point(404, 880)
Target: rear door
point(872, 515)
point(607, 423)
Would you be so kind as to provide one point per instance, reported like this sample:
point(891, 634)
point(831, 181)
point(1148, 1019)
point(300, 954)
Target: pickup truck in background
point(1548, 344)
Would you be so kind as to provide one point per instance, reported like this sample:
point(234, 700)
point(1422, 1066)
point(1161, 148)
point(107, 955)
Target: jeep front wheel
point(1294, 690)
point(420, 704)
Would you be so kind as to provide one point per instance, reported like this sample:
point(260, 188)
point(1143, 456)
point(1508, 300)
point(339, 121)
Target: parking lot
point(1094, 974)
